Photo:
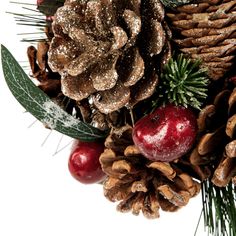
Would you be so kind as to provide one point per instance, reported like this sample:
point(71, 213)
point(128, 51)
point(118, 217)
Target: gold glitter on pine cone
point(216, 147)
point(205, 29)
point(140, 185)
point(108, 51)
point(50, 83)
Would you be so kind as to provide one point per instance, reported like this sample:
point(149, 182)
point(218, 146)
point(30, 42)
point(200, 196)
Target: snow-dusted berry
point(166, 134)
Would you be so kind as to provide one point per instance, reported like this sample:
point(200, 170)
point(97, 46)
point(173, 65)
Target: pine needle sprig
point(219, 209)
point(183, 82)
point(36, 17)
point(33, 19)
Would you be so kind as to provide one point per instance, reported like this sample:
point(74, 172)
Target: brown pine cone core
point(139, 184)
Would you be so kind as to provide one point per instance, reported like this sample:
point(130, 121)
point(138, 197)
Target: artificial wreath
point(147, 90)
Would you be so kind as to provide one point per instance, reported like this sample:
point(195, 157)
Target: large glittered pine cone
point(108, 52)
point(50, 83)
point(141, 185)
point(216, 147)
point(206, 29)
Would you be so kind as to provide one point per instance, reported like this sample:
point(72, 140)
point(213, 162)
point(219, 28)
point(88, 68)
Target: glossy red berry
point(233, 80)
point(166, 134)
point(84, 162)
point(39, 2)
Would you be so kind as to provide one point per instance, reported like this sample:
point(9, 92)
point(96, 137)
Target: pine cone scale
point(143, 89)
point(164, 168)
point(232, 101)
point(203, 32)
point(157, 39)
point(119, 95)
point(230, 149)
point(224, 172)
point(139, 186)
point(134, 23)
point(210, 141)
point(135, 69)
point(78, 87)
point(231, 126)
point(177, 199)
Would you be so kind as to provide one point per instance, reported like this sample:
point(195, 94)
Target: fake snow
point(54, 115)
point(158, 137)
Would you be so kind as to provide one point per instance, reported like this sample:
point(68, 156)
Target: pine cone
point(216, 147)
point(139, 184)
point(107, 51)
point(206, 30)
point(49, 82)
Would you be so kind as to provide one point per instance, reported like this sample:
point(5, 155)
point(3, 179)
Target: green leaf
point(40, 105)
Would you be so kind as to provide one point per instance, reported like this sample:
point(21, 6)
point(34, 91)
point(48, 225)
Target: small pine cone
point(140, 184)
point(206, 29)
point(49, 82)
point(216, 147)
point(108, 51)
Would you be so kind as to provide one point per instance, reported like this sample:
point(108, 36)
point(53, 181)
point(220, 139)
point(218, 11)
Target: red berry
point(84, 162)
point(49, 18)
point(166, 134)
point(39, 2)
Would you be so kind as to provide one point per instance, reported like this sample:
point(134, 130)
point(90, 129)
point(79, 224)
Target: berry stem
point(132, 116)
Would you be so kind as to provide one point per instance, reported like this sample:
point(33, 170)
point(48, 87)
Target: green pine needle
point(184, 83)
point(33, 19)
point(219, 209)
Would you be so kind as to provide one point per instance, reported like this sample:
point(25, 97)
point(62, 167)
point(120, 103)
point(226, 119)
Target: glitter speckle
point(53, 114)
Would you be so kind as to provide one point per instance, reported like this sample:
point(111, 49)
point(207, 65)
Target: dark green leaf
point(40, 105)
